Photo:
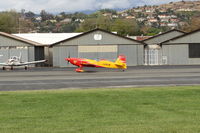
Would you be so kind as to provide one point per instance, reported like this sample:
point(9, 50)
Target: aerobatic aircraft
point(16, 61)
point(120, 63)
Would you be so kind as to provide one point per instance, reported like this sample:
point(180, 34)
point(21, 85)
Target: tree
point(87, 25)
point(25, 25)
point(9, 21)
point(153, 31)
point(92, 23)
point(192, 25)
point(108, 11)
point(125, 27)
point(30, 15)
point(68, 27)
point(145, 29)
point(45, 16)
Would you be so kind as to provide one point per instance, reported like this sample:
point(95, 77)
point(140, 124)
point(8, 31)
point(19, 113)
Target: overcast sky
point(56, 6)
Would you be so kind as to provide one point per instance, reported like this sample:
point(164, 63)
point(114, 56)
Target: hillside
point(167, 16)
point(146, 20)
point(182, 6)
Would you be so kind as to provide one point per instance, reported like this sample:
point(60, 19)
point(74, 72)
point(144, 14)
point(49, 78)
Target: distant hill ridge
point(177, 6)
point(193, 5)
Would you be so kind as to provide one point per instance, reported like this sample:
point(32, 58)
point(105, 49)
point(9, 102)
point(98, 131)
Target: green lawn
point(135, 110)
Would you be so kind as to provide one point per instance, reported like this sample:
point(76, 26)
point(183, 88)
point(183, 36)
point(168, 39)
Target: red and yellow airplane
point(120, 63)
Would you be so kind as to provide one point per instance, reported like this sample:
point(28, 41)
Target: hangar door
point(96, 52)
point(7, 52)
point(152, 55)
point(39, 55)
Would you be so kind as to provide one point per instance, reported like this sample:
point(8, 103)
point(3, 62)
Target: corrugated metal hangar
point(183, 50)
point(11, 45)
point(98, 44)
point(170, 48)
point(154, 52)
point(173, 48)
point(46, 39)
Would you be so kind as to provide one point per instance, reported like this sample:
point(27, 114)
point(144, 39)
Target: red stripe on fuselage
point(81, 62)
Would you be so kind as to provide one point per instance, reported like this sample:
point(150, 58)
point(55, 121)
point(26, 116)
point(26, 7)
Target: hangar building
point(11, 45)
point(154, 53)
point(170, 48)
point(46, 39)
point(98, 44)
point(182, 50)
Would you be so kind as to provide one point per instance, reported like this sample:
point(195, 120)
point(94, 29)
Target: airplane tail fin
point(121, 61)
point(20, 56)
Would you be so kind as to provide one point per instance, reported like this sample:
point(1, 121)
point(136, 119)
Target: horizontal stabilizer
point(121, 61)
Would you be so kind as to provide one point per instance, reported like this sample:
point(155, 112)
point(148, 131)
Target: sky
point(56, 6)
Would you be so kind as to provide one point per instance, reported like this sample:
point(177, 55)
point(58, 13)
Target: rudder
point(121, 61)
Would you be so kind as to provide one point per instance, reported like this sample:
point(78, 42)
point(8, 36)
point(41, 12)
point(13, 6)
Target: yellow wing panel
point(109, 64)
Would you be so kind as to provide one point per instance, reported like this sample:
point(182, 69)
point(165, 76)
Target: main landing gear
point(4, 68)
point(11, 68)
point(26, 67)
point(79, 69)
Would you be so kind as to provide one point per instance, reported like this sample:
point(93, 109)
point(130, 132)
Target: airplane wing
point(23, 63)
point(32, 62)
point(3, 64)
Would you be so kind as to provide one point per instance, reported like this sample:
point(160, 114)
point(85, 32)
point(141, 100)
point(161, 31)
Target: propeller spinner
point(68, 59)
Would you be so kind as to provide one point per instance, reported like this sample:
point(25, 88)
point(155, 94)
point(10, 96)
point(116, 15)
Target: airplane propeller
point(68, 60)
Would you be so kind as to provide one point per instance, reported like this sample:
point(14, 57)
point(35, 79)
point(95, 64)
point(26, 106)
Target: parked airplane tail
point(20, 57)
point(121, 61)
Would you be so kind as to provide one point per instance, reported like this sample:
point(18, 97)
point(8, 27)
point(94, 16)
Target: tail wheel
point(4, 68)
point(11, 68)
point(25, 67)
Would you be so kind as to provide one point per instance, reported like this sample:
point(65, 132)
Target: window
point(194, 50)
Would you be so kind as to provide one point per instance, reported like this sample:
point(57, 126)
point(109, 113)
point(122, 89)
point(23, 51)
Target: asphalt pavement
point(67, 78)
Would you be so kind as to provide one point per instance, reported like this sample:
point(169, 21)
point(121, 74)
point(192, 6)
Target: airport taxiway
point(66, 78)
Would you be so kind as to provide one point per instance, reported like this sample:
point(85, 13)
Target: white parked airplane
point(16, 61)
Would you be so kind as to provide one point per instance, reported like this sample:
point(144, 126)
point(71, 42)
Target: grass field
point(126, 110)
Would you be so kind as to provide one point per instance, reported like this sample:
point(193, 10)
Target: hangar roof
point(47, 38)
point(19, 39)
point(159, 38)
point(191, 37)
point(97, 29)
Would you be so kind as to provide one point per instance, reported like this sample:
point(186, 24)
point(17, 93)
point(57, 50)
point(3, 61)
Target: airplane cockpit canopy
point(14, 58)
